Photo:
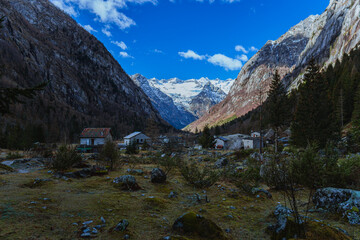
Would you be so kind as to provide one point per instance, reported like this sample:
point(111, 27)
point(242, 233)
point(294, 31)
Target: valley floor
point(57, 208)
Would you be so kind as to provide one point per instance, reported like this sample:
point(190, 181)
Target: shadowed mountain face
point(326, 38)
point(86, 86)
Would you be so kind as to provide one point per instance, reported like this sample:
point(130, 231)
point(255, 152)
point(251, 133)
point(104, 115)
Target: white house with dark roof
point(95, 136)
point(136, 137)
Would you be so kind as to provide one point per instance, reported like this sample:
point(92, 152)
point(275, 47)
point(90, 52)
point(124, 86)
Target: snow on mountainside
point(181, 102)
point(326, 38)
point(176, 116)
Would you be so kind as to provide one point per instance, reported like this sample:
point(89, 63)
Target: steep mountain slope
point(175, 115)
point(87, 86)
point(192, 98)
point(208, 97)
point(324, 37)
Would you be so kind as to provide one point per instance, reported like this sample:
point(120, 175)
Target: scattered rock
point(196, 225)
point(135, 171)
point(36, 183)
point(222, 162)
point(345, 201)
point(260, 190)
point(126, 182)
point(173, 195)
point(122, 225)
point(158, 176)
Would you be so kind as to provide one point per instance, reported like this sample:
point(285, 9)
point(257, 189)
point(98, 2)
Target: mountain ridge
point(324, 37)
point(181, 102)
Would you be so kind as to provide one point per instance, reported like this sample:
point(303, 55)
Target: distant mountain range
point(181, 102)
point(326, 38)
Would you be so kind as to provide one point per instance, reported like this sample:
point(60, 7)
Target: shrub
point(132, 148)
point(199, 177)
point(350, 170)
point(12, 156)
point(109, 154)
point(168, 163)
point(250, 177)
point(65, 158)
point(243, 153)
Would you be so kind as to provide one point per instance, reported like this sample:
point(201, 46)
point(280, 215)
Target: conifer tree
point(313, 121)
point(206, 140)
point(279, 111)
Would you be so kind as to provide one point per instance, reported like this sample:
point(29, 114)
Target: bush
point(65, 158)
point(350, 170)
point(132, 149)
point(109, 155)
point(12, 156)
point(243, 153)
point(168, 163)
point(250, 177)
point(199, 177)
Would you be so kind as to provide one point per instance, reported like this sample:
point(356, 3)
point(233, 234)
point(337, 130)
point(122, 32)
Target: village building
point(136, 137)
point(255, 134)
point(95, 136)
point(230, 142)
point(220, 143)
point(252, 143)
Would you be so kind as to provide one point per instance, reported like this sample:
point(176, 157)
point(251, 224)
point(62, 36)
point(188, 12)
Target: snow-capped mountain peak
point(194, 96)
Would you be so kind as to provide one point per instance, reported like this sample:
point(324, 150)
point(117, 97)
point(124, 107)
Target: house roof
point(95, 133)
point(132, 135)
point(224, 139)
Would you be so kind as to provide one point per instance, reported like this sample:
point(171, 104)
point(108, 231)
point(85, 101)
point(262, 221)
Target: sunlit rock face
point(326, 38)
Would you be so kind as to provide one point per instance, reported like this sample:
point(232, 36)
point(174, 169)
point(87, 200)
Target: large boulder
point(286, 228)
point(158, 176)
point(345, 201)
point(126, 182)
point(192, 224)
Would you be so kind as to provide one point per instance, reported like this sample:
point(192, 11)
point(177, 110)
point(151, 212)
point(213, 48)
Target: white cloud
point(69, 9)
point(106, 31)
point(225, 62)
point(125, 55)
point(89, 28)
point(254, 49)
point(121, 44)
point(106, 11)
point(158, 51)
point(240, 48)
point(243, 58)
point(191, 54)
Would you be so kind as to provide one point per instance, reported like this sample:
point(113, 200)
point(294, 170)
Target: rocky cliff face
point(87, 86)
point(326, 38)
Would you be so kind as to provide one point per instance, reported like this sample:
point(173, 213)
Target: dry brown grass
point(150, 212)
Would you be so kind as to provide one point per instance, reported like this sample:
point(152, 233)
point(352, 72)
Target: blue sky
point(187, 38)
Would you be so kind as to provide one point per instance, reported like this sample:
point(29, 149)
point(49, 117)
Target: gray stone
point(222, 162)
point(158, 176)
point(122, 225)
point(126, 182)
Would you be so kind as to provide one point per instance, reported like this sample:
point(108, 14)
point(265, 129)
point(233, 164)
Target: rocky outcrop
point(326, 37)
point(193, 224)
point(344, 201)
point(86, 85)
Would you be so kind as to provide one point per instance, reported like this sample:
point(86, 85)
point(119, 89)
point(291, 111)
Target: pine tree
point(278, 109)
point(207, 140)
point(313, 121)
